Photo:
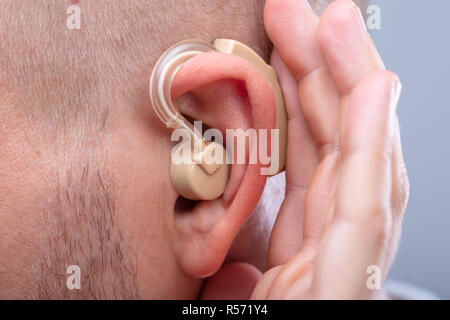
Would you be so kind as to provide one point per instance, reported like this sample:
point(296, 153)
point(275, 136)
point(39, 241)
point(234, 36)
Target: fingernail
point(396, 92)
point(307, 4)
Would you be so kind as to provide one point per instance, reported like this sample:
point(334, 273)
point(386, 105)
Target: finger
point(263, 286)
point(286, 237)
point(400, 182)
point(399, 199)
point(350, 56)
point(358, 233)
point(293, 279)
point(319, 199)
point(292, 27)
point(346, 45)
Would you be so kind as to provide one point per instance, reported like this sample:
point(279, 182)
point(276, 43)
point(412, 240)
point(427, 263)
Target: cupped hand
point(346, 182)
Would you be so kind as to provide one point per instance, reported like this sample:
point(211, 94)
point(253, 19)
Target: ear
point(224, 92)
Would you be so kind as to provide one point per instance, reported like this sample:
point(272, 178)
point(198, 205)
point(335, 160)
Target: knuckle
point(373, 217)
point(376, 217)
point(381, 228)
point(382, 78)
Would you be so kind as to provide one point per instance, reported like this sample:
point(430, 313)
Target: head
point(84, 161)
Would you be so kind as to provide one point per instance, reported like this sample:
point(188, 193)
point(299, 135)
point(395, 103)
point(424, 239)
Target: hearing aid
point(193, 178)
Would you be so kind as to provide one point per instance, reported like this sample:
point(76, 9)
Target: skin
point(353, 188)
point(340, 120)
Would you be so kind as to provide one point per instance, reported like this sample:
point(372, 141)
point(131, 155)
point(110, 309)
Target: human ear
point(225, 92)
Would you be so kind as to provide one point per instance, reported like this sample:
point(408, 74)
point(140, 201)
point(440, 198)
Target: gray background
point(414, 42)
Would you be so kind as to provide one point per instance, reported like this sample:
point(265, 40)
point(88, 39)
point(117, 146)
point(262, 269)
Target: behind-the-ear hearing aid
point(193, 179)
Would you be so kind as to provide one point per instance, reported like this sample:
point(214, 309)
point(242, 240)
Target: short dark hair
point(81, 229)
point(70, 79)
point(66, 82)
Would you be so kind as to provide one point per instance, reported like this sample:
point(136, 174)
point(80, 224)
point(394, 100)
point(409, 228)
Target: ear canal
point(192, 176)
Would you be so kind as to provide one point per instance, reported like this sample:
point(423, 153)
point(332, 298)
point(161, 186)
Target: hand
point(346, 179)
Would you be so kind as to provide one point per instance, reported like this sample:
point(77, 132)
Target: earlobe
point(225, 92)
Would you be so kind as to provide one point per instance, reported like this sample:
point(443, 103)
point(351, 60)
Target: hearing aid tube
point(161, 84)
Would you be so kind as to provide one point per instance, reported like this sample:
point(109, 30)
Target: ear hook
point(161, 84)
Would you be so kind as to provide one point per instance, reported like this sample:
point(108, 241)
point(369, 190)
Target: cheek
point(24, 193)
point(140, 160)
